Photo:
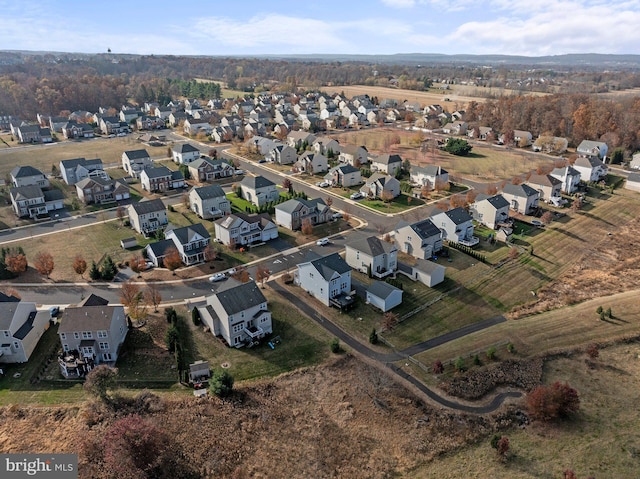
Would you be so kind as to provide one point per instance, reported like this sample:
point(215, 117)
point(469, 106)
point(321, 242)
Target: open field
point(42, 157)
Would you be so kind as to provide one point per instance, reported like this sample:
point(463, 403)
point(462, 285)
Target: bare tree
point(152, 296)
point(389, 320)
point(210, 252)
point(120, 214)
point(15, 261)
point(262, 274)
point(546, 218)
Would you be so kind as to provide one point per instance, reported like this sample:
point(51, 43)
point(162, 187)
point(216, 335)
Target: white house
point(240, 229)
point(190, 241)
point(184, 153)
point(597, 149)
point(569, 176)
point(380, 184)
point(21, 327)
point(328, 279)
point(134, 161)
point(591, 168)
point(456, 226)
point(238, 313)
point(420, 240)
point(429, 175)
point(386, 163)
point(209, 202)
point(373, 255)
point(294, 212)
point(258, 190)
point(383, 296)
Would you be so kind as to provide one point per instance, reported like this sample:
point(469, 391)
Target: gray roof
point(186, 233)
point(148, 206)
point(25, 171)
point(53, 195)
point(75, 162)
point(185, 148)
point(522, 191)
point(543, 180)
point(158, 172)
point(497, 201)
point(373, 246)
point(425, 228)
point(159, 248)
point(291, 205)
point(330, 264)
point(387, 159)
point(633, 178)
point(345, 169)
point(7, 298)
point(588, 161)
point(429, 170)
point(93, 300)
point(26, 192)
point(458, 215)
point(241, 297)
point(88, 318)
point(137, 154)
point(209, 191)
point(382, 289)
point(26, 327)
point(256, 182)
point(569, 170)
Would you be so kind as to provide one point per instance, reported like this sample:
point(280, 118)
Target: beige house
point(491, 211)
point(147, 217)
point(134, 161)
point(420, 240)
point(548, 187)
point(209, 202)
point(258, 190)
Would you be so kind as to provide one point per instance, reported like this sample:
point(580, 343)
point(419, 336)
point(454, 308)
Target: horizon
point(383, 27)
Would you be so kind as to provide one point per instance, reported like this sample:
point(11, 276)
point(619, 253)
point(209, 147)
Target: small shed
point(199, 372)
point(127, 243)
point(504, 234)
point(384, 296)
point(633, 182)
point(428, 272)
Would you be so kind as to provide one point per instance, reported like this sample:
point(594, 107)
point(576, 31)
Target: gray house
point(387, 163)
point(241, 229)
point(328, 279)
point(491, 211)
point(420, 240)
point(456, 226)
point(344, 175)
point(209, 202)
point(79, 169)
point(597, 149)
point(238, 313)
point(568, 176)
point(372, 255)
point(258, 190)
point(312, 163)
point(283, 155)
point(184, 153)
point(429, 175)
point(190, 241)
point(147, 217)
point(33, 202)
point(21, 327)
point(94, 331)
point(380, 184)
point(28, 176)
point(292, 213)
point(134, 161)
point(521, 198)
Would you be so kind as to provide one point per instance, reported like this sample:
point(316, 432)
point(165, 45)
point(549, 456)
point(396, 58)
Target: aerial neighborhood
point(211, 226)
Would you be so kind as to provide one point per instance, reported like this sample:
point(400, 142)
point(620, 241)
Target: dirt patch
point(475, 384)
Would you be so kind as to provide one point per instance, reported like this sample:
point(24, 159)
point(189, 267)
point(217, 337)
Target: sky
point(263, 27)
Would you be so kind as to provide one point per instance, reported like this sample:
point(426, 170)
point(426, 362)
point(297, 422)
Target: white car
point(232, 271)
point(217, 277)
point(356, 196)
point(324, 184)
point(322, 242)
point(238, 172)
point(336, 216)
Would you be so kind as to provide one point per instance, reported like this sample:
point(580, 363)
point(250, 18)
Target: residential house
point(591, 148)
point(381, 186)
point(73, 130)
point(429, 175)
point(421, 239)
point(111, 125)
point(293, 213)
point(146, 122)
point(344, 175)
point(372, 256)
point(55, 123)
point(482, 132)
point(550, 144)
point(591, 168)
point(207, 169)
point(163, 112)
point(33, 134)
point(192, 127)
point(427, 272)
point(91, 333)
point(521, 198)
point(383, 296)
point(328, 279)
point(28, 176)
point(177, 117)
point(456, 226)
point(296, 139)
point(240, 229)
point(326, 147)
point(148, 216)
point(190, 241)
point(209, 202)
point(386, 163)
point(135, 161)
point(35, 203)
point(522, 138)
point(569, 178)
point(21, 327)
point(129, 115)
point(157, 251)
point(261, 145)
point(79, 169)
point(184, 153)
point(634, 164)
point(99, 190)
point(353, 155)
point(633, 182)
point(491, 211)
point(455, 128)
point(548, 187)
point(157, 179)
point(238, 313)
point(199, 372)
point(283, 155)
point(258, 190)
point(312, 163)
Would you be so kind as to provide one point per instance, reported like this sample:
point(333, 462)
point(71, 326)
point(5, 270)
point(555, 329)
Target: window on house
point(16, 344)
point(102, 334)
point(87, 335)
point(63, 335)
point(76, 335)
point(104, 346)
point(107, 357)
point(65, 347)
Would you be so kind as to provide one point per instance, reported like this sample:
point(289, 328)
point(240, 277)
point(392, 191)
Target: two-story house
point(548, 187)
point(283, 155)
point(353, 155)
point(344, 175)
point(190, 241)
point(381, 185)
point(184, 153)
point(78, 169)
point(296, 139)
point(208, 169)
point(241, 229)
point(372, 256)
point(429, 175)
point(21, 327)
point(326, 146)
point(569, 177)
point(521, 198)
point(148, 216)
point(456, 226)
point(34, 202)
point(293, 213)
point(591, 168)
point(421, 239)
point(491, 211)
point(596, 149)
point(98, 190)
point(258, 190)
point(135, 161)
point(312, 163)
point(386, 163)
point(160, 179)
point(209, 202)
point(91, 334)
point(28, 176)
point(327, 278)
point(238, 313)
point(73, 130)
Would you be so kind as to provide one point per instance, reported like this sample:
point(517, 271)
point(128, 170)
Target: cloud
point(399, 3)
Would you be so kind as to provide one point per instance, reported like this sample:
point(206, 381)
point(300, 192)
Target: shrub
point(221, 383)
point(599, 310)
point(195, 316)
point(511, 348)
point(438, 367)
point(335, 346)
point(476, 360)
point(550, 402)
point(491, 353)
point(460, 364)
point(373, 337)
point(171, 338)
point(170, 314)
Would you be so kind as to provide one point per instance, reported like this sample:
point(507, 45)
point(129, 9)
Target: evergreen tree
point(94, 272)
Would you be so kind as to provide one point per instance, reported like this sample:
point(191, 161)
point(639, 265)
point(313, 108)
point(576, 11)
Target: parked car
point(232, 271)
point(262, 160)
point(537, 223)
point(217, 277)
point(322, 242)
point(336, 216)
point(238, 172)
point(54, 311)
point(324, 184)
point(356, 196)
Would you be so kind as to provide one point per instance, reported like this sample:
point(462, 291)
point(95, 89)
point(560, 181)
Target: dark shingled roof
point(372, 245)
point(186, 233)
point(158, 172)
point(458, 215)
point(25, 171)
point(382, 289)
point(241, 297)
point(209, 191)
point(328, 265)
point(159, 248)
point(23, 330)
point(93, 300)
point(185, 148)
point(497, 201)
point(148, 206)
point(387, 159)
point(256, 182)
point(425, 228)
point(137, 154)
point(522, 191)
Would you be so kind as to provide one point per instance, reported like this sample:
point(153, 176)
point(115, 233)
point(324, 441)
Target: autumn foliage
point(172, 259)
point(44, 263)
point(558, 400)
